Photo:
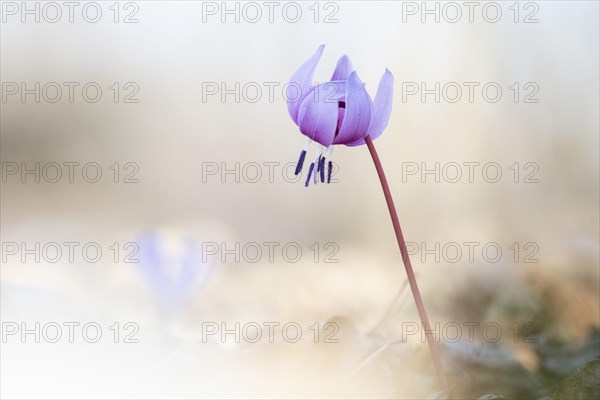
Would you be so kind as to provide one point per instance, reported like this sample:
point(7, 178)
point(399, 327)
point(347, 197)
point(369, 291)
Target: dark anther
point(310, 170)
point(300, 162)
point(322, 169)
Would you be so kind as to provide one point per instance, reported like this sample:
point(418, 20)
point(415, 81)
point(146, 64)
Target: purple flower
point(339, 111)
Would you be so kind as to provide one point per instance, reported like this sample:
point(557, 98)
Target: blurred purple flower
point(173, 280)
point(339, 111)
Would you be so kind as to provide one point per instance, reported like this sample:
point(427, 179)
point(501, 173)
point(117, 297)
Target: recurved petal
point(318, 112)
point(382, 107)
point(343, 69)
point(357, 116)
point(300, 83)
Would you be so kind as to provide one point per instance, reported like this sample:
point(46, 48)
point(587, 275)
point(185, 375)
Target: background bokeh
point(173, 135)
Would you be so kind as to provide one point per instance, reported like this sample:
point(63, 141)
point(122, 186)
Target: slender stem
point(407, 265)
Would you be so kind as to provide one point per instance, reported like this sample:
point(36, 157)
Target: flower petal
point(300, 83)
point(341, 113)
point(318, 112)
point(357, 116)
point(382, 107)
point(343, 69)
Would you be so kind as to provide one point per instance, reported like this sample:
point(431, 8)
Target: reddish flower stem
point(407, 265)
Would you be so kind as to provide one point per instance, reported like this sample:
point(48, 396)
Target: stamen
point(317, 162)
point(307, 143)
point(329, 155)
point(322, 169)
point(310, 170)
point(329, 152)
point(300, 162)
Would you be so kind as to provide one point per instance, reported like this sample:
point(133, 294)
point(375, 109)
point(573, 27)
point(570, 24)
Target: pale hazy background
point(171, 132)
